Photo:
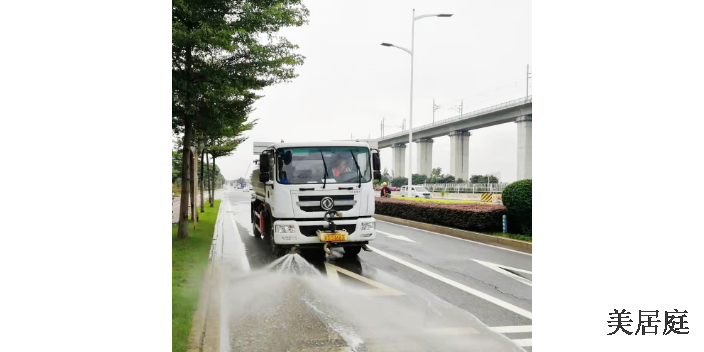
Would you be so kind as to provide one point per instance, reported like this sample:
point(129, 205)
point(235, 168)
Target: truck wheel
point(276, 250)
point(255, 220)
point(352, 251)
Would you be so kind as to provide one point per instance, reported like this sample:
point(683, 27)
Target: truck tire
point(276, 250)
point(255, 220)
point(352, 251)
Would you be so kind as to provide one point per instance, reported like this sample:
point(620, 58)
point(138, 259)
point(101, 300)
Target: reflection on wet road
point(314, 302)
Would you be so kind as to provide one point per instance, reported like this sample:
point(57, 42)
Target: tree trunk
point(185, 181)
point(188, 135)
point(202, 182)
point(212, 180)
point(207, 164)
point(194, 205)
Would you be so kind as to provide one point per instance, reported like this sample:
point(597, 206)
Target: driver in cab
point(342, 167)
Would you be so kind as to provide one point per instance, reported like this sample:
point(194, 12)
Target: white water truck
point(315, 195)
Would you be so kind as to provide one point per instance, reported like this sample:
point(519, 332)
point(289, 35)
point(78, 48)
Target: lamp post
point(410, 119)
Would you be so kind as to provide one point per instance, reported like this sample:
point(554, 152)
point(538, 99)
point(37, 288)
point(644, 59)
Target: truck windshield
point(306, 166)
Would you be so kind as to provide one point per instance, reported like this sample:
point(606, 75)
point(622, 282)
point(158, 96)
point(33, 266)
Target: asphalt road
point(417, 291)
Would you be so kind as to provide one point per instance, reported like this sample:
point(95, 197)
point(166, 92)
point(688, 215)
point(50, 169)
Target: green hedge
point(518, 199)
point(473, 217)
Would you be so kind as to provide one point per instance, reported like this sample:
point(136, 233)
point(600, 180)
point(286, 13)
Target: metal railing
point(466, 187)
point(501, 106)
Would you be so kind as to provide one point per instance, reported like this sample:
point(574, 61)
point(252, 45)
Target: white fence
point(466, 187)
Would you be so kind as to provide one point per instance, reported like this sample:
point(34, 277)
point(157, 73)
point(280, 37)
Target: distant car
point(416, 192)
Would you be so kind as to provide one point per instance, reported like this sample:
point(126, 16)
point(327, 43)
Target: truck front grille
point(312, 203)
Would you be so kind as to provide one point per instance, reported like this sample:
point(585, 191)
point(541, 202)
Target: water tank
point(257, 186)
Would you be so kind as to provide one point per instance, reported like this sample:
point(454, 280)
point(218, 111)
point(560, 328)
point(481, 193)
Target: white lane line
point(523, 342)
point(458, 285)
point(382, 290)
point(457, 238)
point(503, 270)
point(513, 329)
point(452, 331)
point(397, 237)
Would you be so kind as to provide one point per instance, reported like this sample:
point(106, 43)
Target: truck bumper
point(298, 237)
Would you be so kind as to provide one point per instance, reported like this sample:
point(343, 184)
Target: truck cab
point(315, 195)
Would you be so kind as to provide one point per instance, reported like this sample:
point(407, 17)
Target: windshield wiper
point(325, 176)
point(359, 173)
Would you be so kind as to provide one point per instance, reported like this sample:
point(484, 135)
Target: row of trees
point(436, 176)
point(210, 178)
point(223, 51)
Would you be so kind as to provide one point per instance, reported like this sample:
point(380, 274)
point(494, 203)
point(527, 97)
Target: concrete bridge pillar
point(399, 159)
point(459, 154)
point(525, 147)
point(425, 156)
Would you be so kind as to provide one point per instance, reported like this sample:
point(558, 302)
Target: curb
point(521, 246)
point(195, 338)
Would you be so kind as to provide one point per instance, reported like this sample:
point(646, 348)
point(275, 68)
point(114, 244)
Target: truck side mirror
point(263, 167)
point(264, 163)
point(376, 166)
point(263, 177)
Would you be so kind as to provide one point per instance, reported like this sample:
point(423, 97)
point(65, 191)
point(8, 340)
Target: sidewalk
point(176, 206)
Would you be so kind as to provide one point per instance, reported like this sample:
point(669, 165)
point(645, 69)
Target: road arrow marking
point(507, 270)
point(397, 237)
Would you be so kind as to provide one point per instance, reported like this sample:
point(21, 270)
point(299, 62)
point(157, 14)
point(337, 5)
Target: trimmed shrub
point(518, 199)
point(473, 217)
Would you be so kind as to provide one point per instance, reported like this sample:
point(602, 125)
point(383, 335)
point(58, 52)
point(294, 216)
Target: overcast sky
point(349, 82)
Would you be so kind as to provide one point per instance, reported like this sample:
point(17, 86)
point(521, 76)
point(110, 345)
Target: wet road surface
point(418, 291)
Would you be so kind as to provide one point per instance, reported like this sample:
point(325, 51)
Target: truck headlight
point(368, 226)
point(285, 229)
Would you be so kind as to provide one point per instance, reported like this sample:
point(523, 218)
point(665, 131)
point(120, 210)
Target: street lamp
point(410, 119)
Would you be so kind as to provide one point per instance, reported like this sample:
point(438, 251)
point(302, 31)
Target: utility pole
point(435, 108)
point(383, 124)
point(527, 78)
point(460, 107)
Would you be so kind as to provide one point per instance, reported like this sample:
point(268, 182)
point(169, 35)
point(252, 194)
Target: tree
point(459, 180)
point(386, 177)
point(222, 146)
point(419, 179)
point(399, 181)
point(240, 180)
point(446, 179)
point(435, 174)
point(176, 160)
point(222, 52)
point(482, 179)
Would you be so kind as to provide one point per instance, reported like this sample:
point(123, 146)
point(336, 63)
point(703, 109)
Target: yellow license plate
point(334, 237)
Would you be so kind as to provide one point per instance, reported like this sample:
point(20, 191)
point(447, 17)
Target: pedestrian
point(385, 191)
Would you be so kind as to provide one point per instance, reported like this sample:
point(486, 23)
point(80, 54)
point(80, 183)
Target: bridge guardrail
point(507, 104)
